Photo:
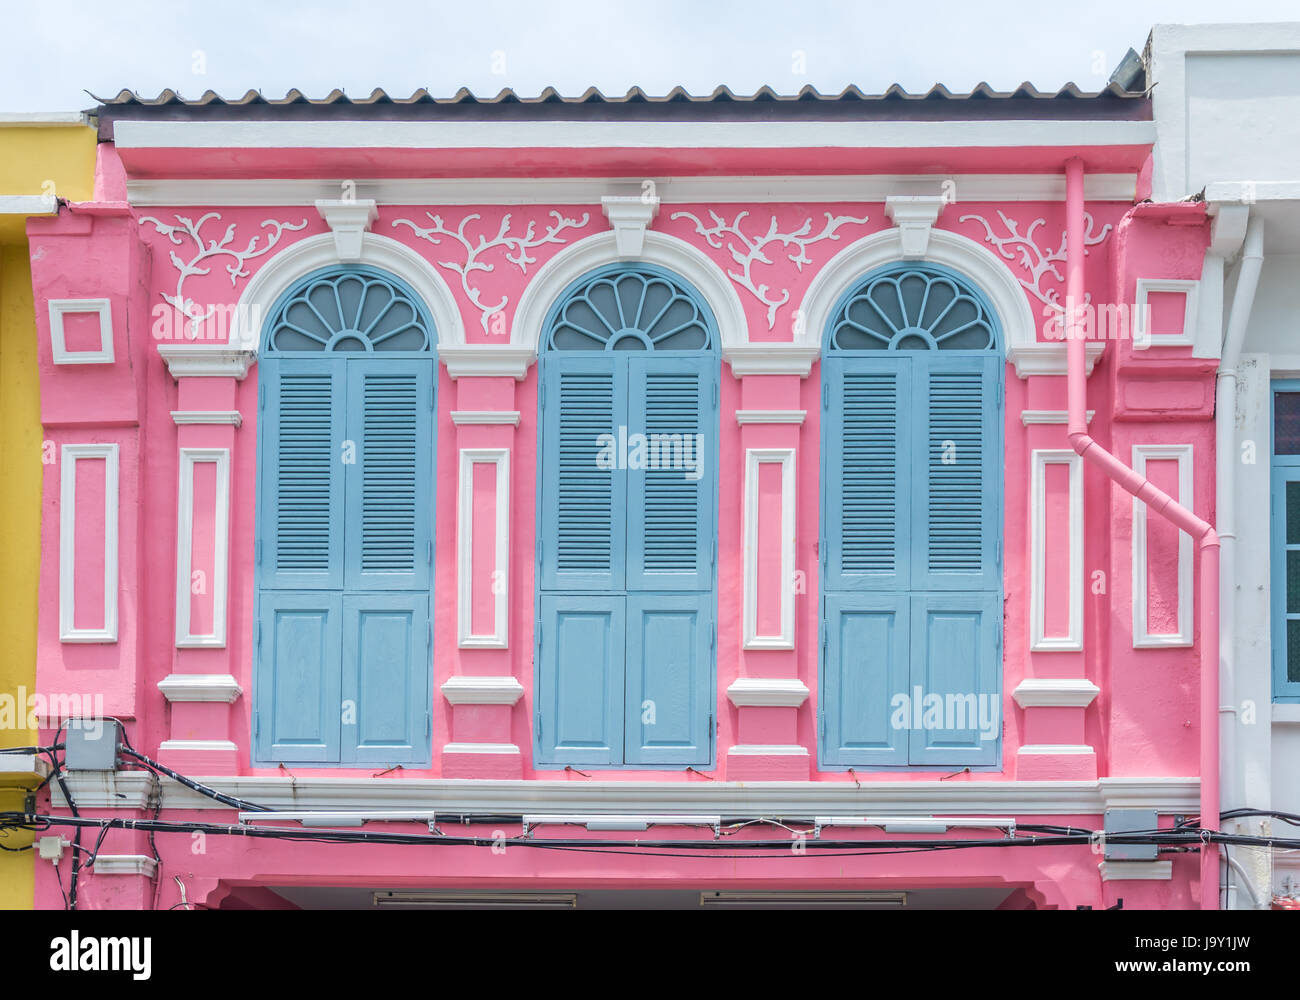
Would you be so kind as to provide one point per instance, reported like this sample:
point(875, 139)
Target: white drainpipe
point(1225, 434)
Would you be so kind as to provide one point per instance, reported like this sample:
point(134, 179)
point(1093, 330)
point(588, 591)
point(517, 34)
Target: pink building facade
point(692, 471)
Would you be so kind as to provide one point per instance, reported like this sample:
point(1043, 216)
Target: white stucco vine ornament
point(519, 245)
point(749, 250)
point(1022, 248)
point(206, 250)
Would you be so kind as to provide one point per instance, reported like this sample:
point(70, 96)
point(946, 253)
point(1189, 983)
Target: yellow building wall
point(35, 159)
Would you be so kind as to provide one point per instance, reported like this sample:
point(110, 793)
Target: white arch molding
point(302, 258)
point(970, 259)
point(666, 251)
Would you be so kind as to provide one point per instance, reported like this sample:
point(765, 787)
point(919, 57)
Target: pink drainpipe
point(1162, 504)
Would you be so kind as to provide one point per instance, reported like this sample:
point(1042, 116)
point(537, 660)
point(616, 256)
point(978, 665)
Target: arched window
point(626, 522)
point(912, 522)
point(345, 523)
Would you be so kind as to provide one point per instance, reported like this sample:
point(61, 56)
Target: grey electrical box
point(1130, 821)
point(91, 744)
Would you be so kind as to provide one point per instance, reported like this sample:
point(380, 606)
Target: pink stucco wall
point(1143, 723)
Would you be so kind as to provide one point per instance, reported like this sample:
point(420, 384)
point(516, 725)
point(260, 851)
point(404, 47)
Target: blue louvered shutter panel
point(297, 714)
point(582, 540)
point(867, 664)
point(385, 688)
point(957, 473)
point(956, 662)
point(868, 444)
point(669, 704)
point(300, 546)
point(580, 679)
point(390, 480)
point(670, 537)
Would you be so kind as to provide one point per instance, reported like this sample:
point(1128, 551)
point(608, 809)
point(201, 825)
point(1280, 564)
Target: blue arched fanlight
point(630, 307)
point(349, 310)
point(913, 307)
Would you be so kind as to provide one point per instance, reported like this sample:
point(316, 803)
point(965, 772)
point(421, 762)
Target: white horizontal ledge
point(462, 418)
point(771, 416)
point(130, 790)
point(498, 748)
point(1033, 749)
point(856, 188)
point(28, 204)
point(232, 417)
point(200, 687)
point(208, 746)
point(489, 360)
point(804, 134)
point(1028, 417)
point(470, 690)
point(1052, 692)
point(784, 692)
point(767, 750)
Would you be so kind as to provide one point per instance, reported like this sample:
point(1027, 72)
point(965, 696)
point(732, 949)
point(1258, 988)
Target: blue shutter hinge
point(537, 725)
point(822, 639)
point(539, 633)
point(257, 724)
point(712, 726)
point(259, 552)
point(821, 724)
point(541, 395)
point(259, 635)
point(999, 562)
point(715, 392)
point(713, 635)
point(428, 633)
point(428, 555)
point(261, 397)
point(428, 723)
point(826, 395)
point(433, 395)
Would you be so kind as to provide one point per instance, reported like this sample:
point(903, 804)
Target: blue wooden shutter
point(385, 690)
point(958, 472)
point(297, 715)
point(867, 664)
point(955, 660)
point(300, 545)
point(670, 502)
point(389, 483)
point(670, 642)
point(582, 541)
point(580, 680)
point(868, 466)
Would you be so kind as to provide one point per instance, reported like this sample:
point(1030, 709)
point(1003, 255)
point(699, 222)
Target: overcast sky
point(52, 51)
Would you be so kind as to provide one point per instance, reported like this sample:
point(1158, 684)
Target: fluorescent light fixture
point(918, 824)
point(471, 900)
point(622, 821)
point(804, 900)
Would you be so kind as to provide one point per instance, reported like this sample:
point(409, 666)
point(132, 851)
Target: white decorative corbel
point(915, 215)
point(348, 220)
point(629, 215)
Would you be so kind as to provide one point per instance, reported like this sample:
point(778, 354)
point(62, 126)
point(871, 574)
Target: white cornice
point(129, 790)
point(785, 692)
point(28, 204)
point(231, 417)
point(206, 360)
point(804, 134)
point(502, 361)
point(463, 417)
point(471, 690)
point(1055, 692)
point(200, 687)
point(799, 188)
point(771, 416)
point(1028, 417)
point(771, 358)
point(1039, 358)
